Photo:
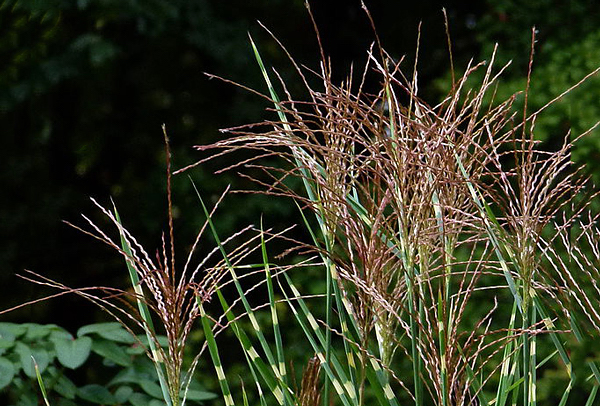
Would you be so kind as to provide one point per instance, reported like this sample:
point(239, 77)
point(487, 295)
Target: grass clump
point(421, 212)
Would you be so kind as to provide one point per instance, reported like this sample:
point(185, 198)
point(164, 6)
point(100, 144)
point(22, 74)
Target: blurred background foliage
point(85, 86)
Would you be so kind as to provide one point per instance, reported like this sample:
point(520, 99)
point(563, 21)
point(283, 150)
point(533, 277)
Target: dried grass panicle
point(310, 389)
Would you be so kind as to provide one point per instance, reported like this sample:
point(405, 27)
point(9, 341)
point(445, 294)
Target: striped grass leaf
point(317, 341)
point(144, 313)
point(345, 316)
point(272, 307)
point(332, 282)
point(335, 371)
point(274, 376)
point(592, 396)
point(259, 390)
point(248, 309)
point(214, 354)
point(313, 196)
point(507, 377)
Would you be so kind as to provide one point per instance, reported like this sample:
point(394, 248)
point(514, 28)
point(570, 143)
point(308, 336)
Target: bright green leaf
point(162, 340)
point(151, 388)
point(199, 395)
point(7, 372)
point(41, 356)
point(111, 331)
point(139, 399)
point(73, 353)
point(60, 335)
point(5, 344)
point(9, 331)
point(127, 375)
point(37, 331)
point(65, 387)
point(123, 393)
point(112, 351)
point(96, 394)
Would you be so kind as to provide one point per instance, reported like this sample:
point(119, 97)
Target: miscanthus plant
point(460, 258)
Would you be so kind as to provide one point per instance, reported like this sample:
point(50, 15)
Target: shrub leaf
point(73, 353)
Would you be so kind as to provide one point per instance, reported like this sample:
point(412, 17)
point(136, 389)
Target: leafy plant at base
point(49, 353)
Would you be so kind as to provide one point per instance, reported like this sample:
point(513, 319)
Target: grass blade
point(144, 313)
point(214, 354)
point(40, 381)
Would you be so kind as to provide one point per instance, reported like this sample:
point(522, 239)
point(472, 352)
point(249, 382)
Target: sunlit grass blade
point(40, 381)
point(380, 384)
point(334, 370)
point(313, 196)
point(565, 397)
point(343, 309)
point(298, 152)
point(259, 389)
point(274, 379)
point(274, 318)
point(278, 388)
point(249, 312)
point(317, 341)
point(506, 373)
point(214, 354)
point(592, 396)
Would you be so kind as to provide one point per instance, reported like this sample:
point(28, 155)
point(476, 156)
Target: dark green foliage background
point(85, 86)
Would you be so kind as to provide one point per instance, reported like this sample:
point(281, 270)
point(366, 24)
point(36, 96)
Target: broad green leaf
point(25, 353)
point(112, 351)
point(7, 372)
point(96, 394)
point(73, 353)
point(135, 349)
point(139, 399)
point(151, 388)
point(127, 375)
point(9, 331)
point(123, 393)
point(5, 344)
point(112, 331)
point(139, 372)
point(36, 331)
point(60, 335)
point(163, 341)
point(65, 387)
point(200, 395)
